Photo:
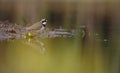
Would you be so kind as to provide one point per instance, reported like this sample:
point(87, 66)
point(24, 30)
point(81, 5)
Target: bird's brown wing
point(35, 26)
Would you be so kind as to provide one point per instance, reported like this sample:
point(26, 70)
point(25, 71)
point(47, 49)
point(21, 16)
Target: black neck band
point(43, 25)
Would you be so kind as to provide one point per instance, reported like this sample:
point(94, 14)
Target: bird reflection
point(31, 38)
point(35, 43)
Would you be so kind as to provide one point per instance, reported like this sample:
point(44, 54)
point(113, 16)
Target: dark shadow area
point(7, 11)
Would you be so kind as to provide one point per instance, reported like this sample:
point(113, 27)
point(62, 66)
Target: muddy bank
point(14, 31)
point(10, 30)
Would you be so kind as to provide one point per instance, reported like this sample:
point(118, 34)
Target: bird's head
point(43, 22)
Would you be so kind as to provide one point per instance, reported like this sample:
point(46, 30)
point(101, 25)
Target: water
point(42, 55)
point(51, 55)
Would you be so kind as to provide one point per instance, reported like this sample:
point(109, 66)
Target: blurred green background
point(97, 52)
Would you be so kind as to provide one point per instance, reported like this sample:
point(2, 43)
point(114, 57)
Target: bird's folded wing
point(35, 26)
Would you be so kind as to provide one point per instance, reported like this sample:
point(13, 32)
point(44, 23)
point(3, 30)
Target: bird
point(38, 25)
point(35, 29)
